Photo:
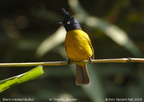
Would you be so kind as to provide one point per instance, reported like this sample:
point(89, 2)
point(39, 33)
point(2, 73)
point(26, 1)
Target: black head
point(69, 22)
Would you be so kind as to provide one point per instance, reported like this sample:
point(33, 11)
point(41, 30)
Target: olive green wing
point(92, 50)
point(89, 42)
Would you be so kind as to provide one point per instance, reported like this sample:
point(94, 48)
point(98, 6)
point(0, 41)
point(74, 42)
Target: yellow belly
point(78, 45)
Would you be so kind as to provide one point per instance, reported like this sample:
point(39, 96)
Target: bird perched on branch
point(78, 47)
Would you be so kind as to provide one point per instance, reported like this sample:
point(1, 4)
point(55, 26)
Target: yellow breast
point(78, 45)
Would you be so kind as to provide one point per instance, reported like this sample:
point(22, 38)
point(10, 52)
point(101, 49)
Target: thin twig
point(59, 63)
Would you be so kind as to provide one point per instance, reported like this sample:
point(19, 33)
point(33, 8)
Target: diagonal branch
point(60, 63)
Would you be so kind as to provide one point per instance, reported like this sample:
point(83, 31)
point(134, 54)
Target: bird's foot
point(90, 60)
point(69, 61)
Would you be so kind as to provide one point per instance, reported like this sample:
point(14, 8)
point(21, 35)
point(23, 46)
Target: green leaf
point(54, 40)
point(12, 81)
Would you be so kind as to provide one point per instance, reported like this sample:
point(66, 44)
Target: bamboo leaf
point(51, 42)
point(12, 81)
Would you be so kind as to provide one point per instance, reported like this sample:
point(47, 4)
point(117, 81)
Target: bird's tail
point(81, 74)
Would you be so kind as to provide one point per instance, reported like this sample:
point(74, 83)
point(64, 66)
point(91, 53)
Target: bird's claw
point(90, 60)
point(69, 61)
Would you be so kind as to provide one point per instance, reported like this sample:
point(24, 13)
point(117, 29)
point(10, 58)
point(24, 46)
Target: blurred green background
point(29, 32)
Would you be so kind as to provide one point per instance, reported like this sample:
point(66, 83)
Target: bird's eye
point(68, 22)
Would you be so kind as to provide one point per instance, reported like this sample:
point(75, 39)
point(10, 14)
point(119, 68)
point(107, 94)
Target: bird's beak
point(60, 23)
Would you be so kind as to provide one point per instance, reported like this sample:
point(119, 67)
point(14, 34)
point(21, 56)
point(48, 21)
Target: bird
point(78, 47)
